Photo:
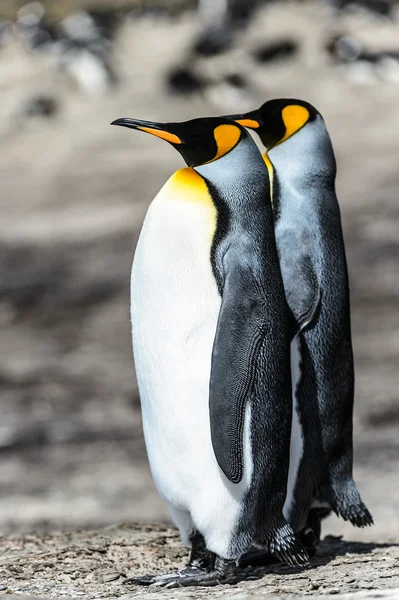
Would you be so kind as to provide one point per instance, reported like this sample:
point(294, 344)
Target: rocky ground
point(73, 195)
point(95, 565)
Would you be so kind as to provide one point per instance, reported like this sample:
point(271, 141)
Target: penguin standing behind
point(212, 352)
point(302, 171)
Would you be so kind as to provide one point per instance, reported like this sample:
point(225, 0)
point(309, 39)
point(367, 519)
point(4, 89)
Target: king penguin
point(211, 345)
point(302, 170)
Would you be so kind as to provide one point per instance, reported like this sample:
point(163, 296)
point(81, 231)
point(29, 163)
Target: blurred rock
point(236, 80)
point(381, 7)
point(80, 45)
point(43, 106)
point(275, 51)
point(343, 48)
point(213, 41)
point(31, 14)
point(241, 11)
point(183, 80)
point(31, 26)
point(86, 52)
point(365, 66)
point(91, 73)
point(80, 27)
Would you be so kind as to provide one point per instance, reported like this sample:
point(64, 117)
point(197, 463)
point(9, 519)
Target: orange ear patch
point(226, 137)
point(250, 123)
point(164, 135)
point(294, 117)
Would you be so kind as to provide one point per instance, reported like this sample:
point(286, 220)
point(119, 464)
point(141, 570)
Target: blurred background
point(74, 192)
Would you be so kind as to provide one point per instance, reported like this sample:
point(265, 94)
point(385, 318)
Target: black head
point(277, 120)
point(199, 141)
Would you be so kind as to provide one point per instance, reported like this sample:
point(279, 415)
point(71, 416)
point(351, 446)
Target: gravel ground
point(94, 565)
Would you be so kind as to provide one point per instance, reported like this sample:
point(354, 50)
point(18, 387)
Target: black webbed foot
point(224, 571)
point(257, 557)
point(309, 536)
point(201, 562)
point(163, 579)
point(200, 556)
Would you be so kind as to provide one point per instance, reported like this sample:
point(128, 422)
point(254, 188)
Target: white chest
point(174, 308)
point(173, 289)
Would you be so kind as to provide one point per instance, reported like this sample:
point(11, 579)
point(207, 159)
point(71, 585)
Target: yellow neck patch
point(164, 135)
point(226, 137)
point(294, 117)
point(191, 179)
point(187, 186)
point(270, 170)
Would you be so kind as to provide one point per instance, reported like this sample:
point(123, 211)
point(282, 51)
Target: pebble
point(113, 576)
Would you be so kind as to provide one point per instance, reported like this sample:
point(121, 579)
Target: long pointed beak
point(158, 129)
point(248, 120)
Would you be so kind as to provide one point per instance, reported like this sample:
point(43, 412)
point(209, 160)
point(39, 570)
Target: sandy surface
point(74, 192)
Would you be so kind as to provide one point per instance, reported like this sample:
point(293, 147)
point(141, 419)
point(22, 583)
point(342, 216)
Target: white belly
point(296, 445)
point(174, 308)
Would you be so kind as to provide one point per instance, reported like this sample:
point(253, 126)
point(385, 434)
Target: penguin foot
point(163, 580)
point(309, 540)
point(224, 571)
point(256, 557)
point(200, 556)
point(309, 536)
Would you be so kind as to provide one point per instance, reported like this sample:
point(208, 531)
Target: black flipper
point(239, 336)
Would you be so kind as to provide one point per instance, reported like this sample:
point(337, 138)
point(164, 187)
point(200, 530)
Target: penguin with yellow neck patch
point(302, 170)
point(212, 352)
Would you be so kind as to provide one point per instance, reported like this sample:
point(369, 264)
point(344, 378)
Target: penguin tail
point(285, 546)
point(348, 504)
point(358, 514)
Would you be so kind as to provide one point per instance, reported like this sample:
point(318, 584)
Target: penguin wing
point(240, 334)
point(302, 288)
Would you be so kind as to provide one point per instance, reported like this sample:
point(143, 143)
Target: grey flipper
point(301, 283)
point(239, 336)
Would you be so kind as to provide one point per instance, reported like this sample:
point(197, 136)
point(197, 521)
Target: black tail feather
point(284, 545)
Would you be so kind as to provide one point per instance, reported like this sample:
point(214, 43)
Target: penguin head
point(278, 120)
point(200, 141)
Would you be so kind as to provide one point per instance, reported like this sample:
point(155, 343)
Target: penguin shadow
point(331, 547)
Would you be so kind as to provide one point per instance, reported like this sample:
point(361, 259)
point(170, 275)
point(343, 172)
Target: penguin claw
point(203, 580)
point(162, 579)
